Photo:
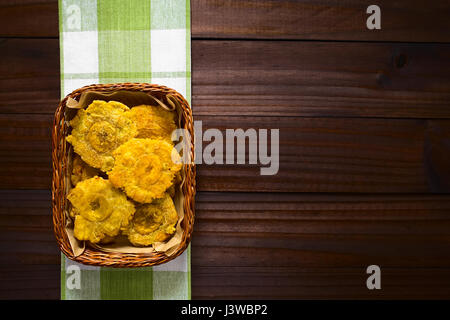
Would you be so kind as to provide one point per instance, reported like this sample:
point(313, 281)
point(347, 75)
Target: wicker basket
point(60, 161)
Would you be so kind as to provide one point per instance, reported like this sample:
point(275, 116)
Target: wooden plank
point(26, 226)
point(30, 281)
point(316, 155)
point(254, 245)
point(257, 19)
point(339, 155)
point(309, 231)
point(29, 18)
point(267, 78)
point(292, 246)
point(316, 79)
point(25, 151)
point(316, 283)
point(29, 256)
point(324, 20)
point(30, 80)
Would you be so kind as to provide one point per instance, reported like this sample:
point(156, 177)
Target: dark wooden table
point(364, 120)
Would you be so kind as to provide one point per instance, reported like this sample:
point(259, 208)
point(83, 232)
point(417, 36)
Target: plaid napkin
point(108, 41)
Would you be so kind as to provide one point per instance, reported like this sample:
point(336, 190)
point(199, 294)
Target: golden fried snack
point(153, 222)
point(177, 180)
point(100, 210)
point(144, 168)
point(81, 170)
point(107, 240)
point(99, 130)
point(153, 122)
point(171, 191)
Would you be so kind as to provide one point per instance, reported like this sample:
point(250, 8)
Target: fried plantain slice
point(153, 122)
point(81, 170)
point(100, 210)
point(99, 130)
point(107, 240)
point(177, 180)
point(145, 168)
point(153, 222)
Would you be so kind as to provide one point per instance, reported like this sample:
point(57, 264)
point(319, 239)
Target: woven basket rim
point(91, 256)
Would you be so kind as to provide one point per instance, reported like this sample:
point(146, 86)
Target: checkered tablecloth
point(109, 41)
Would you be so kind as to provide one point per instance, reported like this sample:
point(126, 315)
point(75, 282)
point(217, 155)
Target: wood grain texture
point(316, 283)
point(313, 19)
point(25, 151)
point(324, 97)
point(29, 255)
point(324, 20)
point(292, 246)
point(316, 155)
point(340, 155)
point(29, 18)
point(320, 79)
point(26, 225)
point(306, 230)
point(267, 78)
point(253, 245)
point(31, 281)
point(29, 75)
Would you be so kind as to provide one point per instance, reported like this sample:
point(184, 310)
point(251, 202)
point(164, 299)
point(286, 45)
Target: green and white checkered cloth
point(109, 41)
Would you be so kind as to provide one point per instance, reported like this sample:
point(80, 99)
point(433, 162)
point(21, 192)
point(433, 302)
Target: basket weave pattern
point(60, 162)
